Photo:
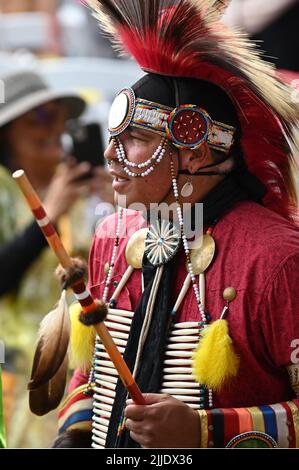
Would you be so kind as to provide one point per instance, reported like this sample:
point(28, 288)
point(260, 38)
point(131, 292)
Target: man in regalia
point(208, 329)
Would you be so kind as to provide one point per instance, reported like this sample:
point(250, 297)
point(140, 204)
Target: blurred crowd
point(43, 131)
point(33, 120)
point(52, 27)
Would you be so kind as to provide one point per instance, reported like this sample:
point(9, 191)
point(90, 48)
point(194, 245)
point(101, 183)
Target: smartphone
point(88, 144)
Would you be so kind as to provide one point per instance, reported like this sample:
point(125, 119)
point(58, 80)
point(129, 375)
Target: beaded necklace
point(205, 318)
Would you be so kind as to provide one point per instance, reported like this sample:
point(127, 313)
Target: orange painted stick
point(82, 294)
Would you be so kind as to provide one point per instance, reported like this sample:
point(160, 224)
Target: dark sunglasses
point(44, 116)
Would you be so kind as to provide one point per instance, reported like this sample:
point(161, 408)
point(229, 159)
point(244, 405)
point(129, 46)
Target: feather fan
point(48, 396)
point(52, 344)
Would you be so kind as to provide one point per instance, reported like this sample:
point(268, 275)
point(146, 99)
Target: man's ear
point(194, 160)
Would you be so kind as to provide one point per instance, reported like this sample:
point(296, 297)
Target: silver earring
point(187, 189)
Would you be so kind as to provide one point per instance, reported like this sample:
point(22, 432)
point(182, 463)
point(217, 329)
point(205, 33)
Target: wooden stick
point(82, 294)
point(42, 219)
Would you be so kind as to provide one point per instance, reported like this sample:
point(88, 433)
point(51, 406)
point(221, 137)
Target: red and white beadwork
point(188, 127)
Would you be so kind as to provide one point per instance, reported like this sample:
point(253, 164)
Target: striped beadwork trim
point(279, 421)
point(75, 411)
point(154, 117)
point(150, 115)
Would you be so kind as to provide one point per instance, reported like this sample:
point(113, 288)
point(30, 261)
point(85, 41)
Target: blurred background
point(61, 42)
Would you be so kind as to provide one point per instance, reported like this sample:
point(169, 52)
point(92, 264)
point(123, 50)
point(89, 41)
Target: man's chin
point(127, 202)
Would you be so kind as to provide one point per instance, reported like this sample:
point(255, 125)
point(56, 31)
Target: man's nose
point(110, 152)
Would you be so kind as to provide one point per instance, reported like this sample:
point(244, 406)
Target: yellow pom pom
point(215, 360)
point(82, 340)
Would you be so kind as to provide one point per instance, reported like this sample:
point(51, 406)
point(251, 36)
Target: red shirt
point(257, 253)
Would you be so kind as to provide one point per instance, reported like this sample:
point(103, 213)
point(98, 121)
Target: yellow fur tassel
point(215, 360)
point(82, 340)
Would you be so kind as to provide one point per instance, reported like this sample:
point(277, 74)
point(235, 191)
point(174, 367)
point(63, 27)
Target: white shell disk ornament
point(162, 242)
point(187, 189)
point(121, 111)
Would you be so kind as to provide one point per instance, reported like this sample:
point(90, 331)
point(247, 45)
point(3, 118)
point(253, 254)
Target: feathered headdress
point(186, 38)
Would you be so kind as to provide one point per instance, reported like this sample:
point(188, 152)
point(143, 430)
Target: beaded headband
point(187, 126)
